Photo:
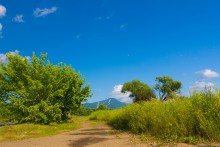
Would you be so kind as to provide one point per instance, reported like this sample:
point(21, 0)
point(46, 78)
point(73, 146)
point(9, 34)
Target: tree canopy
point(140, 91)
point(38, 91)
point(167, 87)
point(102, 107)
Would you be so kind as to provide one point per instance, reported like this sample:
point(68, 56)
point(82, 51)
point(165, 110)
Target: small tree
point(167, 87)
point(140, 91)
point(39, 91)
point(102, 107)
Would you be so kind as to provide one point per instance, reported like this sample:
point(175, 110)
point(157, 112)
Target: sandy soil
point(88, 136)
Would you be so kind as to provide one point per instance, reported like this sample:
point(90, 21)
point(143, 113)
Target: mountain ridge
point(111, 103)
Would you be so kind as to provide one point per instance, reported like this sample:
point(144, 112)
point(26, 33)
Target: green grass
point(181, 120)
point(24, 131)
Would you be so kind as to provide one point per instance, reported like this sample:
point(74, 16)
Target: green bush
point(102, 107)
point(177, 119)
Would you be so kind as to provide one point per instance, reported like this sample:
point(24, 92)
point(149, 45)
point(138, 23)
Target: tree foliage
point(167, 87)
point(102, 107)
point(39, 91)
point(140, 91)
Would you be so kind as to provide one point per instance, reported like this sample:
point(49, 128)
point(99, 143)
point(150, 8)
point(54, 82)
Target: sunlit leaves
point(40, 91)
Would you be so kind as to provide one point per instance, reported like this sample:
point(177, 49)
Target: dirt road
point(99, 135)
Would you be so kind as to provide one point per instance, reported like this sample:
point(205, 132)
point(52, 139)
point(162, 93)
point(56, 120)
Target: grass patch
point(24, 131)
point(188, 120)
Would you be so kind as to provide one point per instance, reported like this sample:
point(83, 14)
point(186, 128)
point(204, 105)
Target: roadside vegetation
point(30, 130)
point(179, 119)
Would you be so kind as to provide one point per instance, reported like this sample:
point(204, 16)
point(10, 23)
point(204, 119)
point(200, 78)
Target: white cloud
point(43, 12)
point(28, 58)
point(3, 57)
point(123, 26)
point(208, 74)
point(123, 97)
point(18, 18)
point(200, 85)
point(1, 27)
point(2, 11)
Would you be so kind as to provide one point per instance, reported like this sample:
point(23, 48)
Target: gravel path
point(88, 136)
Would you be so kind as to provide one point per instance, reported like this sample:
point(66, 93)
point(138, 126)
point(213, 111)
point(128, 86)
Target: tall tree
point(140, 91)
point(167, 87)
point(39, 91)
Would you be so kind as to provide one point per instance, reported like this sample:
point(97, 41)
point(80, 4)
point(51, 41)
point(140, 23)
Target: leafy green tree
point(167, 87)
point(39, 91)
point(140, 91)
point(102, 107)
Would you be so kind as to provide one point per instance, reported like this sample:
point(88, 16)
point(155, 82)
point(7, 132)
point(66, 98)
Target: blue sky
point(114, 41)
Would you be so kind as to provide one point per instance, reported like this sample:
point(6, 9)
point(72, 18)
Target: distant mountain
point(111, 103)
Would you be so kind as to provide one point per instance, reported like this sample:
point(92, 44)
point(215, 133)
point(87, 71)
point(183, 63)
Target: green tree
point(102, 107)
point(140, 91)
point(167, 87)
point(39, 91)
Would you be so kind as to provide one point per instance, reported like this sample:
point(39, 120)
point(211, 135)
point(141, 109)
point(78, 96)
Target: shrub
point(102, 107)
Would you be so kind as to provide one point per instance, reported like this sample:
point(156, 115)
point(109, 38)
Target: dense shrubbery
point(176, 119)
point(38, 91)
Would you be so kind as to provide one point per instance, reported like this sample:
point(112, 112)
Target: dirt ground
point(89, 135)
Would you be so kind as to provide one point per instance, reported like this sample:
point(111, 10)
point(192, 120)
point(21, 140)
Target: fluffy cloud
point(208, 74)
point(200, 85)
point(43, 12)
point(2, 11)
point(18, 18)
point(123, 97)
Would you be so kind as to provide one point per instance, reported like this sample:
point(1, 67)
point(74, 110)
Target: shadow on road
point(86, 137)
point(101, 132)
point(87, 141)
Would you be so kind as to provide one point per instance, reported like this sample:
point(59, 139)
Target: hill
point(112, 103)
